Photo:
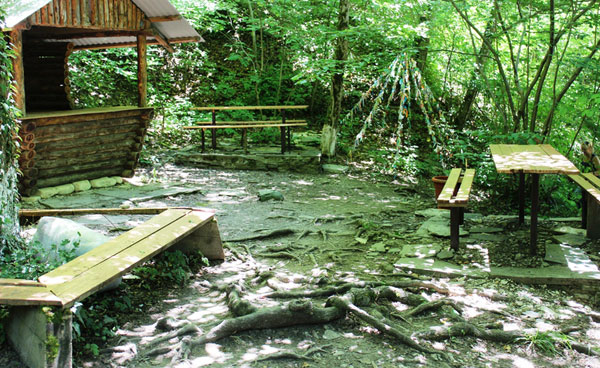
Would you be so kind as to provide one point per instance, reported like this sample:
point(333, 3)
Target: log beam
point(16, 37)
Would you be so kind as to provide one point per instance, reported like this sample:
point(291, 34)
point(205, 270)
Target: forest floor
point(337, 238)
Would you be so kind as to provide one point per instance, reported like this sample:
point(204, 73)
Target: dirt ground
point(337, 228)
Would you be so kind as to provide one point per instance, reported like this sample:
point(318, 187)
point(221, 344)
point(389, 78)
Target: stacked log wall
point(90, 14)
point(72, 147)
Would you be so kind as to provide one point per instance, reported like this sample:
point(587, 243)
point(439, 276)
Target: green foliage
point(548, 342)
point(167, 267)
point(25, 261)
point(9, 225)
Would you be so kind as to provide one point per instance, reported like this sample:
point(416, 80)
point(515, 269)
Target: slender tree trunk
point(464, 110)
point(329, 134)
point(422, 44)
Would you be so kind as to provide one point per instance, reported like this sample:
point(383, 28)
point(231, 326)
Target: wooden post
point(521, 198)
point(142, 71)
point(16, 37)
point(213, 134)
point(584, 208)
point(535, 206)
point(454, 228)
point(592, 218)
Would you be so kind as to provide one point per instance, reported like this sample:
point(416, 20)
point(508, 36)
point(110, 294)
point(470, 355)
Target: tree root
point(462, 329)
point(346, 303)
point(432, 305)
point(264, 235)
point(291, 314)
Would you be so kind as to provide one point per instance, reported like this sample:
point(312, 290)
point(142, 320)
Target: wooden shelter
point(61, 144)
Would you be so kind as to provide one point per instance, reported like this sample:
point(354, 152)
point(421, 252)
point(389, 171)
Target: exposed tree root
point(291, 314)
point(264, 235)
point(462, 329)
point(432, 305)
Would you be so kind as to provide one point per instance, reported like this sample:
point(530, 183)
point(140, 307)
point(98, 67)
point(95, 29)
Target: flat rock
point(569, 230)
point(433, 212)
point(420, 250)
point(334, 169)
point(554, 254)
point(438, 226)
point(488, 237)
point(445, 254)
point(485, 229)
point(269, 194)
point(570, 239)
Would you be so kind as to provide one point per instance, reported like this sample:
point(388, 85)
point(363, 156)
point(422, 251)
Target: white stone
point(103, 182)
point(65, 189)
point(82, 185)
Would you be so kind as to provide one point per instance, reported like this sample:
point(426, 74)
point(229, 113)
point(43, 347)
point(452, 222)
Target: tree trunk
point(328, 136)
point(462, 115)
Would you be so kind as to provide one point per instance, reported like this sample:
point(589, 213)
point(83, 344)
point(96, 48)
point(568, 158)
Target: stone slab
point(437, 268)
point(420, 250)
point(570, 239)
point(555, 254)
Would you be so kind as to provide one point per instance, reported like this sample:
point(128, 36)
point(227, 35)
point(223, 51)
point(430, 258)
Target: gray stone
point(485, 229)
point(420, 250)
point(334, 169)
point(569, 230)
point(445, 254)
point(570, 239)
point(268, 194)
point(554, 254)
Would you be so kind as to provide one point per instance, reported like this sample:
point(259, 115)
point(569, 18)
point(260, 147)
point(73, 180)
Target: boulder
point(268, 194)
point(103, 182)
point(82, 185)
point(65, 189)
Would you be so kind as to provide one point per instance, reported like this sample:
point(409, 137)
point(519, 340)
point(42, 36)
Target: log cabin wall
point(47, 85)
point(90, 14)
point(63, 148)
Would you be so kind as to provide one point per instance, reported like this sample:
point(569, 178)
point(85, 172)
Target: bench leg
point(41, 339)
point(593, 218)
point(462, 216)
point(289, 139)
point(205, 239)
point(535, 206)
point(282, 140)
point(245, 140)
point(584, 208)
point(202, 133)
point(521, 198)
point(213, 135)
point(454, 228)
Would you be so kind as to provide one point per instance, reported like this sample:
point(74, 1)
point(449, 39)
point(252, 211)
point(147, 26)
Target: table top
point(531, 159)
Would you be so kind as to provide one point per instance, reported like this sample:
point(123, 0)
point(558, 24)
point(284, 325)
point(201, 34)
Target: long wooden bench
point(455, 195)
point(185, 229)
point(283, 124)
point(590, 203)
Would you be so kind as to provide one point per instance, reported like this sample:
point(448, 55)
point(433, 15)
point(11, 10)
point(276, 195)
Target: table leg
point(535, 206)
point(521, 198)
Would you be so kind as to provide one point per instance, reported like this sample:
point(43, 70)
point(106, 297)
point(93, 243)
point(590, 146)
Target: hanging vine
point(9, 224)
point(402, 83)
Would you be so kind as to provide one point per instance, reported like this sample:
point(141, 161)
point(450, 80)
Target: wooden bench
point(184, 229)
point(282, 124)
point(455, 195)
point(590, 203)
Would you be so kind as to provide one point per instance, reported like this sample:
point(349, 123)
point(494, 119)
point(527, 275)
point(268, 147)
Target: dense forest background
point(428, 84)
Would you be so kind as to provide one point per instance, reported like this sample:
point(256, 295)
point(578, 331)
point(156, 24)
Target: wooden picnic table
point(534, 160)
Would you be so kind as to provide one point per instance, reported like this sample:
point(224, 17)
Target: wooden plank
point(80, 264)
point(532, 159)
point(448, 191)
point(270, 107)
point(27, 295)
point(589, 187)
point(20, 282)
point(254, 122)
point(462, 197)
point(100, 274)
point(242, 126)
point(95, 211)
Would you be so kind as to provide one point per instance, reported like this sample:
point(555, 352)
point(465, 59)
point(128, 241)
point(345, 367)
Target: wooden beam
point(16, 36)
point(95, 211)
point(273, 107)
point(73, 36)
point(142, 71)
point(165, 18)
point(161, 40)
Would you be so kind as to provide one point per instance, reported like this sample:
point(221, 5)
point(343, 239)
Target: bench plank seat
point(28, 295)
point(114, 265)
point(456, 202)
point(251, 122)
point(234, 126)
point(74, 268)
